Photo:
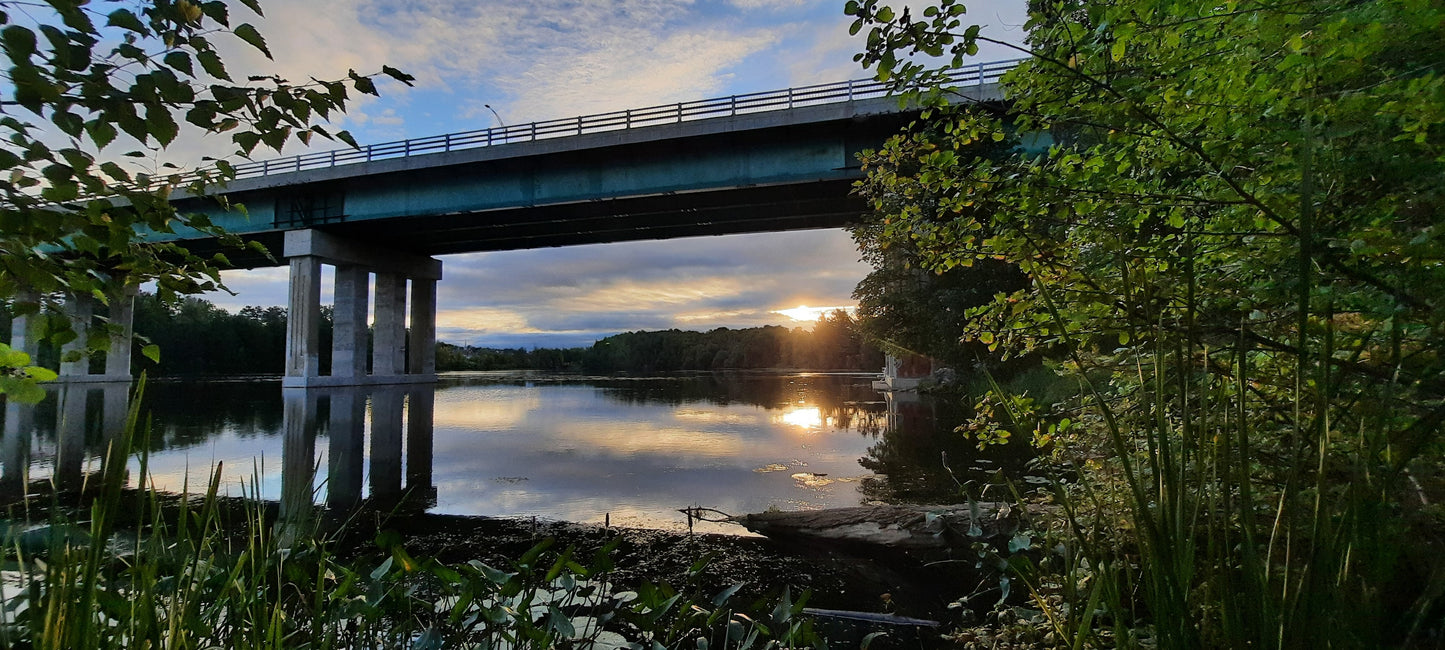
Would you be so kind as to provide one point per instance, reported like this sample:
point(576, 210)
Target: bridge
point(759, 162)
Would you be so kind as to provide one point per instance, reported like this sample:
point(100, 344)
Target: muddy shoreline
point(881, 580)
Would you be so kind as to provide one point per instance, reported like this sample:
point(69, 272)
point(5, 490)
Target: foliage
point(903, 306)
point(1233, 245)
point(83, 83)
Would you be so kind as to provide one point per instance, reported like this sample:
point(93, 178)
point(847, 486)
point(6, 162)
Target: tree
point(905, 304)
point(82, 83)
point(1234, 243)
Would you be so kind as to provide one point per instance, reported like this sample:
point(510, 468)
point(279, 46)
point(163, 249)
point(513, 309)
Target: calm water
point(632, 450)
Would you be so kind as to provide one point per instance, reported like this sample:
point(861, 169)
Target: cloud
point(693, 283)
point(771, 5)
point(627, 71)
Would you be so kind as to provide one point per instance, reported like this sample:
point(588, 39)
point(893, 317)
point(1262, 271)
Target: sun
point(806, 314)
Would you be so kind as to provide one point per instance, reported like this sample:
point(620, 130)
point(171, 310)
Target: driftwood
point(870, 617)
point(924, 528)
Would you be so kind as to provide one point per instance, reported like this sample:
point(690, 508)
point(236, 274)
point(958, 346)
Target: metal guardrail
point(978, 74)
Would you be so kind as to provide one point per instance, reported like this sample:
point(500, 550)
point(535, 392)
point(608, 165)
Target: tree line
point(197, 337)
point(834, 343)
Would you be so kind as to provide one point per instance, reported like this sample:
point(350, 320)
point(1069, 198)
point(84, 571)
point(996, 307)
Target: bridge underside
point(772, 208)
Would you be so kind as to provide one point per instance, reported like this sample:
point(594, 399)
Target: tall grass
point(142, 569)
point(1236, 497)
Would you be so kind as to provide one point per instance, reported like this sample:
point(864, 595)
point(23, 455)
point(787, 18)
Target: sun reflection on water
point(810, 418)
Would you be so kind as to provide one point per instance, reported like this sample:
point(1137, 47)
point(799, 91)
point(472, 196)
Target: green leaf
point(115, 171)
point(124, 19)
point(217, 11)
point(19, 42)
point(211, 63)
point(247, 140)
point(161, 126)
point(69, 123)
point(382, 570)
point(397, 75)
point(152, 352)
point(364, 84)
point(41, 374)
point(180, 61)
point(101, 132)
point(247, 32)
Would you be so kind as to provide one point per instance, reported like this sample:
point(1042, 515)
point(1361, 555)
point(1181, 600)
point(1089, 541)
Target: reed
point(1226, 496)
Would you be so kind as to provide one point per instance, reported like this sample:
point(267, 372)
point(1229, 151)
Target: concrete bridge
point(761, 162)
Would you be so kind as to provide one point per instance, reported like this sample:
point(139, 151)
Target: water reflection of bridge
point(71, 431)
point(341, 447)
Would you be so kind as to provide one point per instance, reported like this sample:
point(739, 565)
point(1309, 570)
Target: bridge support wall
point(26, 332)
point(393, 361)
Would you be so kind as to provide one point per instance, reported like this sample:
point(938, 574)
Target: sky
point(542, 59)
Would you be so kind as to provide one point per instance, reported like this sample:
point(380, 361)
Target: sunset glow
point(806, 314)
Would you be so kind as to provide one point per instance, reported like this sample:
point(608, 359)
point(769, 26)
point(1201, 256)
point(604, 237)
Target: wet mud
point(858, 579)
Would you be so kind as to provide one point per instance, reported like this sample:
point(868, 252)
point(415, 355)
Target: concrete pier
point(79, 310)
point(122, 334)
point(394, 360)
point(420, 430)
point(389, 335)
point(348, 326)
point(303, 318)
point(386, 445)
point(345, 448)
point(25, 328)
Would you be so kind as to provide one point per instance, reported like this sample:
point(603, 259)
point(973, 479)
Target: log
point(889, 526)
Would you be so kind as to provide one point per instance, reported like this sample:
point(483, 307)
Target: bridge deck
point(699, 173)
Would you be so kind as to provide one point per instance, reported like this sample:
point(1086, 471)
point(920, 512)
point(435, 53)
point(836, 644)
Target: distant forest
point(833, 344)
point(196, 337)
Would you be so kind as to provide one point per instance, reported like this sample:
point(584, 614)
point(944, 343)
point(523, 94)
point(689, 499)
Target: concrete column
point(15, 447)
point(389, 338)
point(348, 342)
point(298, 454)
point(303, 319)
point(420, 416)
point(422, 345)
point(25, 328)
point(115, 407)
point(346, 450)
point(122, 321)
point(79, 308)
point(386, 445)
point(19, 418)
point(70, 437)
point(115, 411)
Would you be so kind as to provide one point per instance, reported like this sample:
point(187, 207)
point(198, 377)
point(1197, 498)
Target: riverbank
point(893, 582)
point(757, 570)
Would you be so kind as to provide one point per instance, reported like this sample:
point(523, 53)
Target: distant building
point(904, 372)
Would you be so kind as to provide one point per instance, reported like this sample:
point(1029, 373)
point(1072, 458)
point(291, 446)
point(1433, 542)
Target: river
point(629, 451)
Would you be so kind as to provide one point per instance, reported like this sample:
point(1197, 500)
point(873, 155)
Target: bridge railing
point(976, 74)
